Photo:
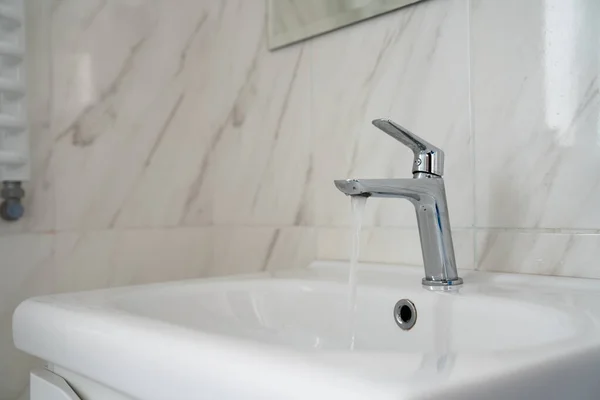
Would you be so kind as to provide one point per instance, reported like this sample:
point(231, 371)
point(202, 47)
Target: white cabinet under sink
point(44, 385)
point(61, 384)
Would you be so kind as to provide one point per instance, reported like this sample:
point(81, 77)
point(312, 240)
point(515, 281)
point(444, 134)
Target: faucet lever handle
point(428, 158)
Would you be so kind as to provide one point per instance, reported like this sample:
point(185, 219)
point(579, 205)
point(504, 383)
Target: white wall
point(169, 143)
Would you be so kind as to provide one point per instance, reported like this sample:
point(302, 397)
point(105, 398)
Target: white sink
point(287, 335)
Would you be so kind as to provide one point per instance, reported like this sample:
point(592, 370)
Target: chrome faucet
point(427, 192)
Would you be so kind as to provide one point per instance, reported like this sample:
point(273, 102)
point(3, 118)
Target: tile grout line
point(472, 134)
point(51, 124)
point(541, 231)
point(313, 143)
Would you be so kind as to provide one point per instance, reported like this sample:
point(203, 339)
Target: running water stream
point(358, 207)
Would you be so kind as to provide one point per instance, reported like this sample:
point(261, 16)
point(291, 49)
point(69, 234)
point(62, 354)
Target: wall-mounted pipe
point(11, 208)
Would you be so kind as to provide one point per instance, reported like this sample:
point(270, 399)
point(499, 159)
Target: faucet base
point(444, 283)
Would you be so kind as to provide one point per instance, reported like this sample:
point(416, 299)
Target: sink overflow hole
point(405, 314)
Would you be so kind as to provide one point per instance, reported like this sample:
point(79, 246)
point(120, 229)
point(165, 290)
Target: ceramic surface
point(496, 336)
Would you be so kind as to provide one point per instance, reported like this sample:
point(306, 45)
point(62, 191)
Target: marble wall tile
point(98, 259)
point(39, 201)
point(223, 148)
point(263, 157)
point(240, 249)
point(389, 245)
point(535, 113)
point(411, 65)
point(562, 254)
point(120, 102)
point(84, 260)
point(245, 249)
point(188, 95)
point(146, 256)
point(294, 247)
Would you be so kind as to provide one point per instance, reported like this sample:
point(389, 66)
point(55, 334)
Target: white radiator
point(14, 141)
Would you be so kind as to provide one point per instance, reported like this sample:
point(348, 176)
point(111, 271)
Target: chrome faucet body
point(426, 191)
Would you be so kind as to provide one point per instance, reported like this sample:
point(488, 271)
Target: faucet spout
point(403, 188)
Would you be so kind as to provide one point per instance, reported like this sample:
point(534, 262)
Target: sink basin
point(290, 335)
point(313, 316)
